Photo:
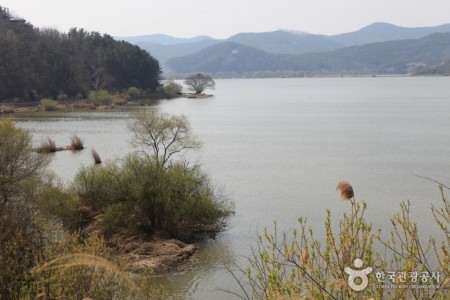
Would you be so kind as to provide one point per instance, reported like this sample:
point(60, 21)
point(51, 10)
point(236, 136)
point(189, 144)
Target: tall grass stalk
point(64, 263)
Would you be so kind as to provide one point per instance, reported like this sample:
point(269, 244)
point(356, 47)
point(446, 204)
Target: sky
point(224, 18)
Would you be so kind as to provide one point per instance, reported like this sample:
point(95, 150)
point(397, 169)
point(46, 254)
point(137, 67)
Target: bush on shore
point(137, 195)
point(172, 89)
point(49, 104)
point(100, 97)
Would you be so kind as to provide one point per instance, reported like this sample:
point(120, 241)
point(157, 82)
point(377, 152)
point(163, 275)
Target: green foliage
point(115, 219)
point(134, 92)
point(172, 89)
point(39, 63)
point(96, 187)
point(57, 204)
point(101, 97)
point(39, 259)
point(20, 172)
point(62, 97)
point(49, 104)
point(20, 168)
point(298, 265)
point(137, 195)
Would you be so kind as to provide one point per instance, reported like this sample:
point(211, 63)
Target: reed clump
point(76, 143)
point(96, 156)
point(48, 146)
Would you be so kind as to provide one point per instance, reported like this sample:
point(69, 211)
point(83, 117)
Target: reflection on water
point(280, 146)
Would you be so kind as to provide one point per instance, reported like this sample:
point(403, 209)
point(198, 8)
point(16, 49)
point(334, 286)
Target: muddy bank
point(156, 255)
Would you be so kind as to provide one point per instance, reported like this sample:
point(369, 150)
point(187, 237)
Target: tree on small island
point(199, 82)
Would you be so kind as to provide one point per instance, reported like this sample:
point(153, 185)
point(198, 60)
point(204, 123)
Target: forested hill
point(394, 57)
point(37, 63)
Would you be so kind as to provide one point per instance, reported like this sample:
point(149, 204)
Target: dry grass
point(345, 189)
point(76, 143)
point(47, 146)
point(62, 264)
point(96, 157)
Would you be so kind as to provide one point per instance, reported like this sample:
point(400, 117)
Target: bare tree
point(199, 82)
point(165, 135)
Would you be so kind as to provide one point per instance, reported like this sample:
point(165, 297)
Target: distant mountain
point(226, 57)
point(440, 69)
point(166, 52)
point(165, 48)
point(393, 57)
point(162, 39)
point(383, 32)
point(285, 42)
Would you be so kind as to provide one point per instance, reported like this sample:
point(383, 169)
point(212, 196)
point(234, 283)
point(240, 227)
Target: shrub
point(178, 200)
point(49, 104)
point(97, 187)
point(116, 218)
point(172, 89)
point(299, 265)
point(134, 92)
point(20, 172)
point(62, 97)
point(79, 96)
point(100, 97)
point(57, 203)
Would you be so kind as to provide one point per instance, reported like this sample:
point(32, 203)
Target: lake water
point(278, 147)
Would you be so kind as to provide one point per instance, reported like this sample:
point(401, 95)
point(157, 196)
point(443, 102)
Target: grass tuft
point(76, 143)
point(96, 157)
point(47, 146)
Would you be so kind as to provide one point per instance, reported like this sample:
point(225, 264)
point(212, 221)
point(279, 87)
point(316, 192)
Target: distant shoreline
point(83, 105)
point(255, 76)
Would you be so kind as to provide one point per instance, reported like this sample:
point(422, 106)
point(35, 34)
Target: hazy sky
point(223, 18)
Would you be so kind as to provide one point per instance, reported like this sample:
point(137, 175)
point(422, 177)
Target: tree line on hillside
point(38, 63)
point(392, 57)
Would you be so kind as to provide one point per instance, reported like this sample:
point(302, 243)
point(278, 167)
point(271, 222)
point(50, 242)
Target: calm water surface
point(278, 147)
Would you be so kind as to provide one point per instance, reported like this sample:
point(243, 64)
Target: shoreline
point(156, 255)
point(79, 105)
